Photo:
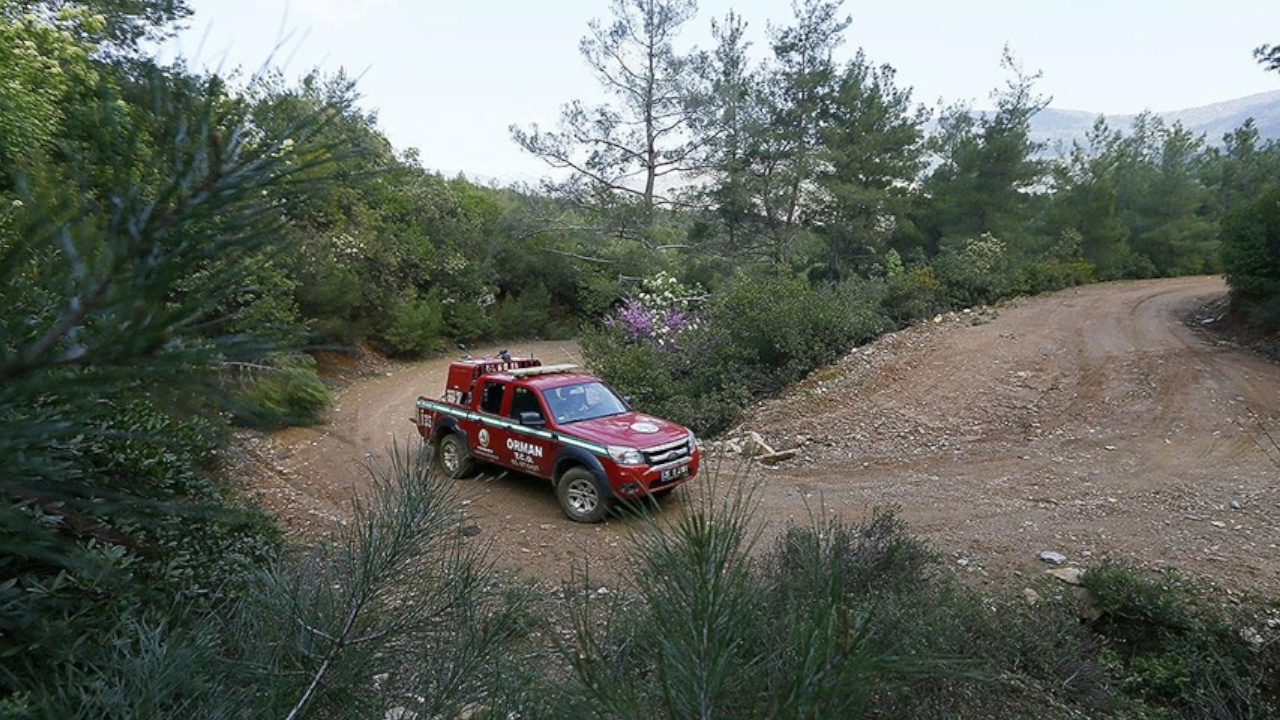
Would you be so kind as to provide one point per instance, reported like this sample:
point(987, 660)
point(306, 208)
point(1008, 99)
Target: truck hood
point(629, 429)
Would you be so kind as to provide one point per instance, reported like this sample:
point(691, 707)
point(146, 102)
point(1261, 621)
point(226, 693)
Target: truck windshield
point(584, 401)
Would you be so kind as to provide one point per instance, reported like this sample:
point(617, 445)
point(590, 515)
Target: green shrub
point(1251, 259)
point(529, 315)
point(915, 294)
point(1049, 274)
point(287, 391)
point(974, 273)
point(140, 528)
point(753, 337)
point(833, 619)
point(328, 298)
point(465, 320)
point(414, 326)
point(1171, 647)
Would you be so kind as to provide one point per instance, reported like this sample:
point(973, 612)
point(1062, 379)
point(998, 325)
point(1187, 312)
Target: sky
point(449, 77)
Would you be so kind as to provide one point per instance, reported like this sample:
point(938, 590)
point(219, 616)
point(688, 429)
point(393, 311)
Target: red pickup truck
point(564, 426)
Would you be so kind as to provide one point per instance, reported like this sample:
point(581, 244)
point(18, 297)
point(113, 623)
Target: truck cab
point(553, 422)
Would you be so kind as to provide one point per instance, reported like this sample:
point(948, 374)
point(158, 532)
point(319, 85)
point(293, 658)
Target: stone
point(1031, 597)
point(1253, 637)
point(1068, 575)
point(755, 446)
point(1053, 558)
point(777, 457)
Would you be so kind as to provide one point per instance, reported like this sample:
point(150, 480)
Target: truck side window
point(491, 398)
point(523, 400)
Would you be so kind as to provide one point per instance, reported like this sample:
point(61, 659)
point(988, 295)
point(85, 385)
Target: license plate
point(674, 473)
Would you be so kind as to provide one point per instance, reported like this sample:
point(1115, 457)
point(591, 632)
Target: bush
point(465, 320)
point(1049, 274)
point(915, 294)
point(833, 619)
point(1171, 648)
point(530, 315)
point(413, 327)
point(770, 332)
point(141, 529)
point(976, 272)
point(1251, 259)
point(328, 297)
point(755, 336)
point(288, 391)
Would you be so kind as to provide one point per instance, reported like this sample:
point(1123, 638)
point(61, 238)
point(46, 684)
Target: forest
point(176, 246)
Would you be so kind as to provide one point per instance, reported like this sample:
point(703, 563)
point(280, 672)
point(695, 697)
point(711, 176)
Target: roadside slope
point(1090, 422)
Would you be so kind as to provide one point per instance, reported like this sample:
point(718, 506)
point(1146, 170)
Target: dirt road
point(1091, 422)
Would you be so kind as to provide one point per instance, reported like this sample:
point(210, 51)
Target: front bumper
point(634, 481)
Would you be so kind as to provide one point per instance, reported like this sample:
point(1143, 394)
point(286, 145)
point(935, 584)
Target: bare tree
point(619, 152)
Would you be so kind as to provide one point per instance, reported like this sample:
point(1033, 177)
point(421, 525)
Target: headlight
point(693, 441)
point(626, 455)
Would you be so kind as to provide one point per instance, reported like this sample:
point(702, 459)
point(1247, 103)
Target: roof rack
point(541, 370)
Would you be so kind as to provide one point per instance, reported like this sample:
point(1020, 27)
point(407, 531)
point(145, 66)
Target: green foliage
point(916, 293)
point(1171, 648)
point(976, 272)
point(756, 335)
point(413, 327)
point(1251, 256)
point(397, 609)
point(286, 391)
point(129, 268)
point(155, 531)
point(43, 62)
point(987, 169)
point(835, 619)
point(531, 314)
point(719, 638)
point(467, 320)
point(768, 332)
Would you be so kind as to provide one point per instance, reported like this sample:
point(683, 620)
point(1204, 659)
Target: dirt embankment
point(1090, 422)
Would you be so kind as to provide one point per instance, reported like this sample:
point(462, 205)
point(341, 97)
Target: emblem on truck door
point(483, 437)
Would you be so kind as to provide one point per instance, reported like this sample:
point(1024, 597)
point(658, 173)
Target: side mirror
point(532, 419)
point(629, 401)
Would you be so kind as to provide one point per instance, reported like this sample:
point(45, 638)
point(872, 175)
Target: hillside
point(1057, 128)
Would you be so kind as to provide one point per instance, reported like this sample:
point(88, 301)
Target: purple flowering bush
point(699, 360)
point(660, 313)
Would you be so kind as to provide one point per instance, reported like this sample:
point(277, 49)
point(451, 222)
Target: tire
point(581, 496)
point(452, 457)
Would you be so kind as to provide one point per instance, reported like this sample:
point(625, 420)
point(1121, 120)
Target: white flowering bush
point(976, 272)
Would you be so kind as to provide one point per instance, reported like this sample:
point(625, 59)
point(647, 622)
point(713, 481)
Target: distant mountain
point(1058, 128)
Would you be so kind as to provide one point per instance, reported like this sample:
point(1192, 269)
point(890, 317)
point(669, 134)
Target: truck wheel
point(581, 497)
point(452, 455)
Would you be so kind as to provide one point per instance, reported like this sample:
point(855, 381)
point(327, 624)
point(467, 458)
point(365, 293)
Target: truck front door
point(529, 444)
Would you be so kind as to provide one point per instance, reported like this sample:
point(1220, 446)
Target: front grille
point(669, 453)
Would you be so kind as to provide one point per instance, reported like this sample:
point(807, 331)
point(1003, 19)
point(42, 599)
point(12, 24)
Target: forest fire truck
point(558, 424)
